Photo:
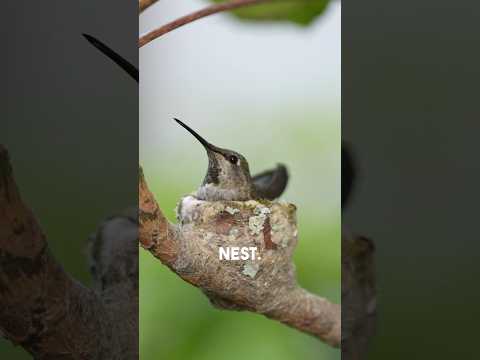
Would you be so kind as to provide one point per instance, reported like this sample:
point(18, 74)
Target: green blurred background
point(271, 92)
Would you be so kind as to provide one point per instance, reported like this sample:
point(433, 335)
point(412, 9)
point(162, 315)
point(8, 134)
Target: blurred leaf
point(301, 12)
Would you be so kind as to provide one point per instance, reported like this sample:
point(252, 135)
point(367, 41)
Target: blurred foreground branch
point(359, 304)
point(265, 285)
point(43, 309)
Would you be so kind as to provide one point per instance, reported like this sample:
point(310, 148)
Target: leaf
point(301, 12)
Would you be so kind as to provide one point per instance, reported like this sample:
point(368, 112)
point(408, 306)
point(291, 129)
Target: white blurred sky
point(230, 76)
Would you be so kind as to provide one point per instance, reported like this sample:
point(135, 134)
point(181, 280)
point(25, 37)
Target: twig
point(143, 4)
point(209, 10)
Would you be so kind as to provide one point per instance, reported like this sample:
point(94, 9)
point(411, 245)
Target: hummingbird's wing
point(270, 184)
point(117, 59)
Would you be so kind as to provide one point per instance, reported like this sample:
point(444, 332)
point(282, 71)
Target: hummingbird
point(228, 176)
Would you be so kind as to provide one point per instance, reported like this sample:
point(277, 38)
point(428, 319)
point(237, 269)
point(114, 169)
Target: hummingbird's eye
point(233, 159)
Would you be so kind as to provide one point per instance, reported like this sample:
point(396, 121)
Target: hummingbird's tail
point(120, 61)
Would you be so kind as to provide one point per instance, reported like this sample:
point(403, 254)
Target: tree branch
point(209, 10)
point(46, 311)
point(264, 285)
point(156, 234)
point(359, 304)
point(144, 4)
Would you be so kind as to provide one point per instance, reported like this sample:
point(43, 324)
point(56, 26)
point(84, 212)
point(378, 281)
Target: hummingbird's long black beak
point(204, 142)
point(117, 59)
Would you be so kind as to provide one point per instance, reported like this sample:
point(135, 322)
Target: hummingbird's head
point(227, 170)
